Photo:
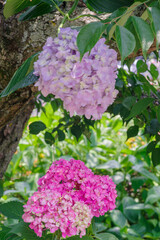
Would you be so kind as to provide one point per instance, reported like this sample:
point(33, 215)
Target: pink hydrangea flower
point(86, 87)
point(68, 197)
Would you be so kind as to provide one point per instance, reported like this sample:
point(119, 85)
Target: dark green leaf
point(137, 182)
point(128, 102)
point(22, 77)
point(55, 105)
point(1, 188)
point(144, 34)
point(88, 36)
point(139, 107)
point(156, 156)
point(125, 41)
point(153, 128)
point(155, 18)
point(61, 135)
point(132, 131)
point(109, 5)
point(141, 66)
point(36, 127)
point(106, 236)
point(158, 113)
point(37, 10)
point(12, 209)
point(151, 146)
point(76, 131)
point(49, 139)
point(15, 6)
point(23, 229)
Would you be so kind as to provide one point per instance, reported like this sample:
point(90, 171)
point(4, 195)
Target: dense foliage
point(124, 143)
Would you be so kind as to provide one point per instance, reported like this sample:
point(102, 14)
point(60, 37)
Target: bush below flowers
point(86, 87)
point(68, 197)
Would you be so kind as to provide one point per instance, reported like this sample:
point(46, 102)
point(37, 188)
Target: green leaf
point(55, 105)
point(36, 127)
point(125, 41)
point(25, 231)
point(76, 131)
point(21, 77)
point(37, 10)
point(158, 113)
point(155, 18)
point(145, 173)
point(61, 135)
point(112, 164)
point(78, 238)
point(153, 127)
point(151, 146)
point(139, 107)
point(128, 102)
point(12, 209)
point(137, 182)
point(144, 34)
point(118, 218)
point(154, 71)
point(156, 156)
point(141, 66)
point(109, 5)
point(1, 188)
point(49, 139)
point(106, 236)
point(88, 36)
point(15, 6)
point(131, 215)
point(132, 131)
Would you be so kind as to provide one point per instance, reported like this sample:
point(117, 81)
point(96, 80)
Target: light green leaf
point(125, 42)
point(144, 34)
point(88, 36)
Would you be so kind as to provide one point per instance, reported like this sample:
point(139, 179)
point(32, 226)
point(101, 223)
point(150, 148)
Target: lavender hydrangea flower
point(86, 87)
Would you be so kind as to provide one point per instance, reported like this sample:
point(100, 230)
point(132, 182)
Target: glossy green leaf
point(12, 209)
point(132, 216)
point(141, 66)
point(155, 18)
point(132, 131)
point(88, 36)
point(106, 236)
point(125, 41)
point(139, 107)
point(15, 6)
point(156, 156)
point(36, 127)
point(144, 33)
point(49, 139)
point(118, 218)
point(37, 10)
point(23, 77)
point(108, 5)
point(145, 173)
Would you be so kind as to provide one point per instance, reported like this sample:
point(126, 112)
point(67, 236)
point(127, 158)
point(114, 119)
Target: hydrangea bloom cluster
point(86, 87)
point(69, 195)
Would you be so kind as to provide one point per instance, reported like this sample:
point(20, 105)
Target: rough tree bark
point(18, 41)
